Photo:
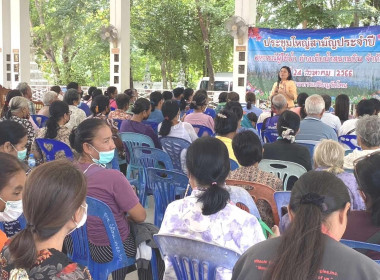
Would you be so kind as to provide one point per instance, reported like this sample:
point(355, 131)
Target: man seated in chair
point(312, 128)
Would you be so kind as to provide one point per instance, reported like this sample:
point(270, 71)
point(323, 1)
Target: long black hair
point(342, 107)
point(170, 110)
point(290, 77)
point(207, 160)
point(315, 196)
point(141, 105)
point(110, 91)
point(301, 99)
point(12, 132)
point(199, 99)
point(155, 98)
point(57, 110)
point(250, 98)
point(99, 104)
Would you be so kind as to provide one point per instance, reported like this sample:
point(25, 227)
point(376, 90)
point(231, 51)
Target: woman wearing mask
point(19, 112)
point(13, 139)
point(54, 206)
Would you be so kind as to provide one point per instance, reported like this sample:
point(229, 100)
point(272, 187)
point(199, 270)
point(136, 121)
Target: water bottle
point(31, 161)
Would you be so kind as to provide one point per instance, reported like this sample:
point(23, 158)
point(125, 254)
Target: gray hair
point(23, 87)
point(368, 129)
point(329, 154)
point(279, 102)
point(48, 97)
point(17, 103)
point(314, 104)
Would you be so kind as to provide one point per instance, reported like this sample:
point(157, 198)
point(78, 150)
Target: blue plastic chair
point(153, 125)
point(55, 147)
point(174, 146)
point(131, 140)
point(240, 195)
point(119, 122)
point(193, 259)
point(269, 135)
point(310, 144)
point(39, 120)
point(149, 157)
point(282, 169)
point(350, 141)
point(203, 129)
point(258, 127)
point(81, 252)
point(282, 199)
point(22, 223)
point(361, 245)
point(234, 165)
point(347, 152)
point(168, 186)
point(209, 111)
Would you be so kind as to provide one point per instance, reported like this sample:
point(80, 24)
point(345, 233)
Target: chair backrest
point(131, 140)
point(203, 130)
point(361, 245)
point(269, 135)
point(174, 146)
point(240, 195)
point(282, 199)
point(39, 120)
point(310, 144)
point(283, 169)
point(168, 186)
point(11, 228)
point(257, 192)
point(119, 122)
point(258, 127)
point(50, 147)
point(100, 271)
point(192, 259)
point(233, 165)
point(153, 125)
point(350, 141)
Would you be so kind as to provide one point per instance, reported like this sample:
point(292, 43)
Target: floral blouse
point(254, 174)
point(119, 115)
point(231, 228)
point(50, 264)
point(77, 116)
point(29, 128)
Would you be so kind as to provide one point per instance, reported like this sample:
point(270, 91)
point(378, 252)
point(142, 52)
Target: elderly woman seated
point(47, 98)
point(368, 137)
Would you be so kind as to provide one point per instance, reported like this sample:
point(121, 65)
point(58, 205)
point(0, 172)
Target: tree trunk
point(163, 74)
point(206, 42)
point(300, 7)
point(356, 16)
point(169, 68)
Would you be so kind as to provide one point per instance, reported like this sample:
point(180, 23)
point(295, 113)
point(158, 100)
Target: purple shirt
point(138, 127)
point(111, 187)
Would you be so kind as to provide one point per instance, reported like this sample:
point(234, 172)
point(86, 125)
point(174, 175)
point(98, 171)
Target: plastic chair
point(257, 192)
point(149, 157)
point(269, 135)
point(202, 130)
point(131, 140)
point(22, 224)
point(193, 259)
point(55, 147)
point(118, 121)
point(209, 111)
point(168, 186)
point(240, 195)
point(282, 199)
point(39, 120)
point(310, 144)
point(283, 169)
point(174, 146)
point(234, 165)
point(81, 252)
point(347, 152)
point(153, 125)
point(350, 141)
point(258, 127)
point(361, 245)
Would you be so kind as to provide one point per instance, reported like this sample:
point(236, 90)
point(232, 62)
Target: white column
point(5, 43)
point(120, 70)
point(20, 41)
point(247, 10)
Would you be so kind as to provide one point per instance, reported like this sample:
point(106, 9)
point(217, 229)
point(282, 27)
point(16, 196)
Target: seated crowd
point(337, 196)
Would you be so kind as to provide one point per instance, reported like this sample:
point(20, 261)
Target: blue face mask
point(21, 155)
point(104, 157)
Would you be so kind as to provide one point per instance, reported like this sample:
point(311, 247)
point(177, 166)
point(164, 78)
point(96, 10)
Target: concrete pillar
point(20, 42)
point(247, 10)
point(120, 53)
point(5, 43)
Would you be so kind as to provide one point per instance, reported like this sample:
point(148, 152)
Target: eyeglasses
point(69, 113)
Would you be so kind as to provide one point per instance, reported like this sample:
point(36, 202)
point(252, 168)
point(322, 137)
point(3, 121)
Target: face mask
point(82, 221)
point(104, 157)
point(13, 210)
point(21, 155)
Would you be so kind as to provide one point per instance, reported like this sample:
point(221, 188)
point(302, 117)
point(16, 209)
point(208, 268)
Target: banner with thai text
point(331, 61)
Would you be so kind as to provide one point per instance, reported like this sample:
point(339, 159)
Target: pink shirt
point(200, 119)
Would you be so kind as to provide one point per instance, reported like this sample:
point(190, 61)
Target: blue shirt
point(85, 108)
point(314, 129)
point(253, 109)
point(156, 116)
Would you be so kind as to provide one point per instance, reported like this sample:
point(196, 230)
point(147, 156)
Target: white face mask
point(82, 221)
point(13, 210)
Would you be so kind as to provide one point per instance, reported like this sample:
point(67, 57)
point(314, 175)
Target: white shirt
point(350, 158)
point(182, 130)
point(347, 127)
point(263, 116)
point(331, 120)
